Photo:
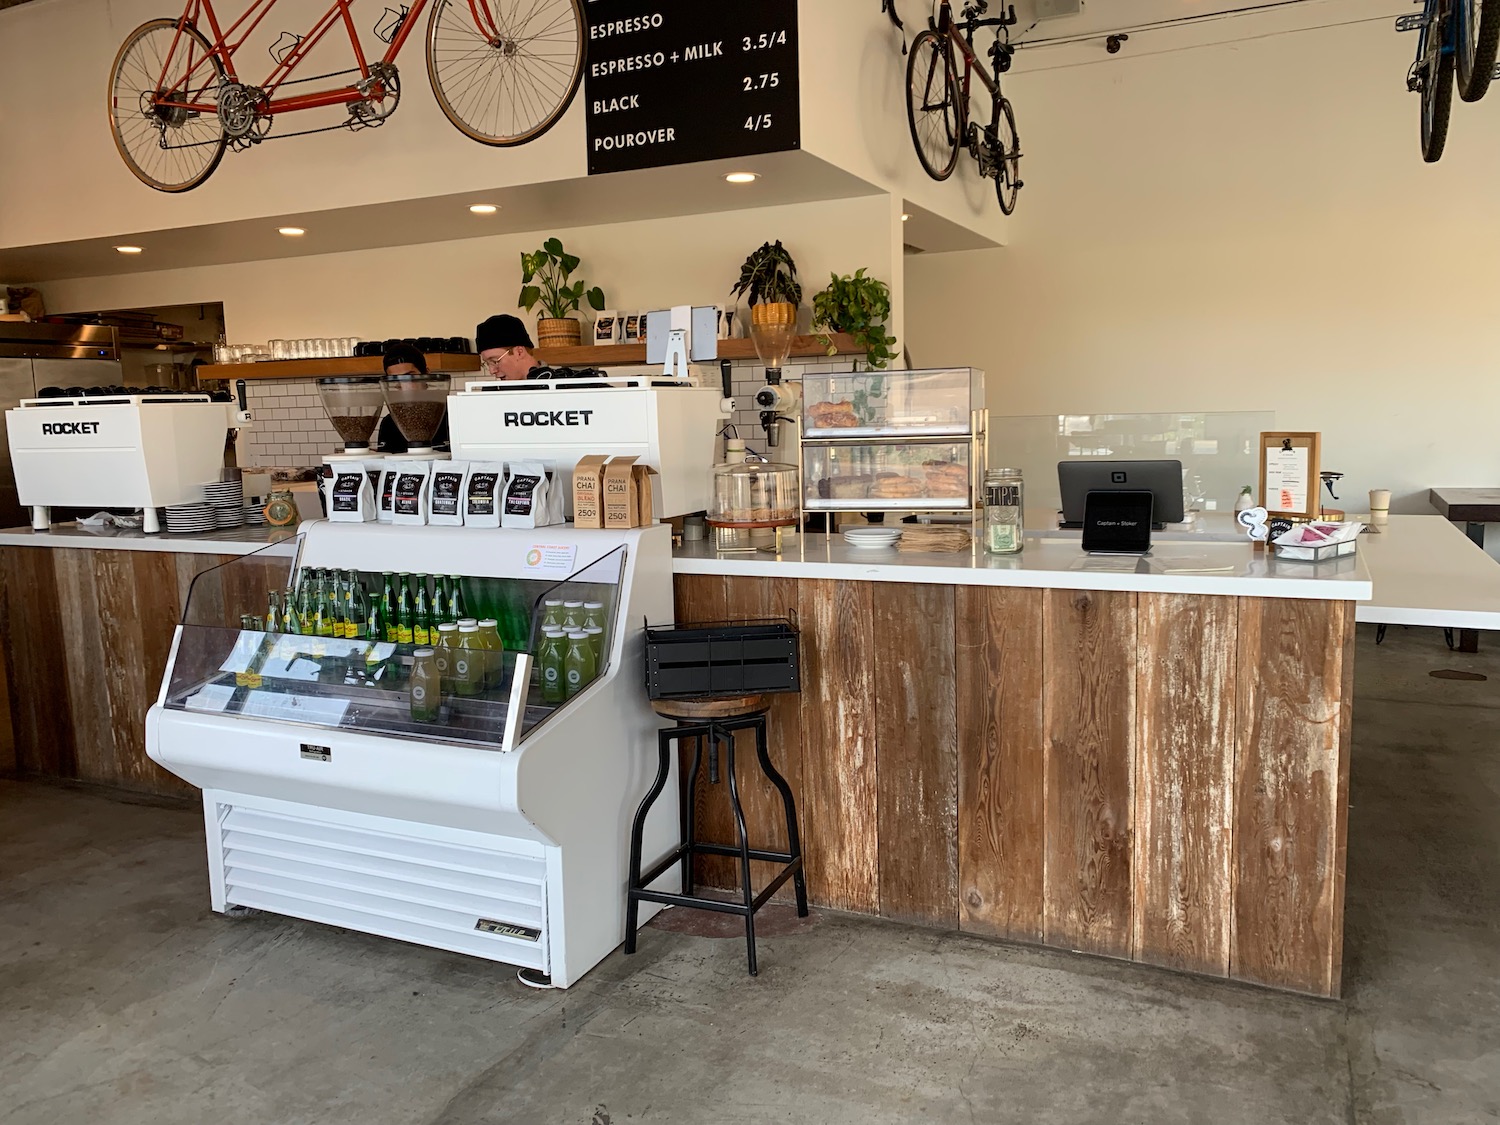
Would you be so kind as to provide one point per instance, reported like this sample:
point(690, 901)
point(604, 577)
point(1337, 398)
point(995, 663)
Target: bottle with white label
point(425, 687)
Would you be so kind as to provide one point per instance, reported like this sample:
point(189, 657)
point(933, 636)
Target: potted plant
point(860, 306)
point(544, 280)
point(768, 279)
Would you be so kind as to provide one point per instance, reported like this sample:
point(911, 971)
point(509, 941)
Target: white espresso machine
point(117, 451)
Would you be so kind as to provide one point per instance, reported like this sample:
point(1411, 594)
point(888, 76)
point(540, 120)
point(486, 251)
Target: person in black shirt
point(403, 359)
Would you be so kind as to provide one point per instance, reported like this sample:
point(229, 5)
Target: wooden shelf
point(604, 355)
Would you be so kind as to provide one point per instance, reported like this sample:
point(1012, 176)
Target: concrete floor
point(123, 999)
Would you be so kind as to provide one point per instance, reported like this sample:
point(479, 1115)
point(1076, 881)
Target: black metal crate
point(722, 658)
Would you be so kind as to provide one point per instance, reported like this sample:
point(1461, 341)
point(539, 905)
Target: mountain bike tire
point(1437, 106)
point(1008, 156)
point(508, 94)
point(132, 77)
point(1478, 41)
point(933, 125)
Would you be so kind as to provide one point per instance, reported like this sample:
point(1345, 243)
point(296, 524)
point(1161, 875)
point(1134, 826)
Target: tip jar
point(1004, 506)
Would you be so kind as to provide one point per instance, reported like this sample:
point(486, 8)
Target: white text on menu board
point(696, 52)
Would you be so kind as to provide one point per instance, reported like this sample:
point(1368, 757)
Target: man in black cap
point(504, 348)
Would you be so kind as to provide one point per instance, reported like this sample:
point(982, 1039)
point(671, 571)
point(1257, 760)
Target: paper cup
point(1380, 505)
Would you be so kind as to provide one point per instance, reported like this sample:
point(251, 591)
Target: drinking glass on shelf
point(297, 349)
point(350, 343)
point(278, 349)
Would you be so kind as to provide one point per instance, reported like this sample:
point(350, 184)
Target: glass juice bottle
point(1004, 505)
point(550, 659)
point(425, 687)
point(466, 663)
point(579, 668)
point(421, 617)
point(447, 642)
point(552, 616)
point(572, 618)
point(494, 652)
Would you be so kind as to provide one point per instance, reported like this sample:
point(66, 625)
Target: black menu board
point(677, 81)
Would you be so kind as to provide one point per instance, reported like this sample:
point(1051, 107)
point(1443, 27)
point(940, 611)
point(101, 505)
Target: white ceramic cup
point(1380, 505)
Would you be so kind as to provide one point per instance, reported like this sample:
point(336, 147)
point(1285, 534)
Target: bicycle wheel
point(931, 109)
point(1007, 156)
point(168, 148)
point(1478, 38)
point(1437, 104)
point(505, 71)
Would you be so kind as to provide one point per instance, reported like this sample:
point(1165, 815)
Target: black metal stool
point(712, 722)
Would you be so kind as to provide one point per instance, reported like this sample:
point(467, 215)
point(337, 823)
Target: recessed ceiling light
point(291, 232)
point(741, 177)
point(906, 218)
point(483, 208)
point(127, 249)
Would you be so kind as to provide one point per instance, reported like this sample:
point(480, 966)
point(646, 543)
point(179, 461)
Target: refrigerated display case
point(499, 827)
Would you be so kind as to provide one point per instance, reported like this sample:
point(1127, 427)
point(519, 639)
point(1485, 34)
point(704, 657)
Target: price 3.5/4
point(755, 82)
point(765, 40)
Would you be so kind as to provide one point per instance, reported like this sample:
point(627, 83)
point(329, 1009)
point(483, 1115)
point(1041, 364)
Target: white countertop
point(230, 541)
point(1428, 572)
point(1203, 566)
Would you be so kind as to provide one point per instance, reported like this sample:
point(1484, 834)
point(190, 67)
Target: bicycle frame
point(198, 10)
point(961, 37)
point(1427, 58)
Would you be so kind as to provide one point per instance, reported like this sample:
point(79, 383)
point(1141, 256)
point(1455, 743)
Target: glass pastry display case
point(463, 781)
point(909, 441)
point(934, 403)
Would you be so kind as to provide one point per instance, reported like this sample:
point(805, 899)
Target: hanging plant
point(860, 306)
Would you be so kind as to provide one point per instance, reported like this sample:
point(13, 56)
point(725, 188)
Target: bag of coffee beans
point(482, 488)
point(413, 492)
point(446, 505)
point(525, 503)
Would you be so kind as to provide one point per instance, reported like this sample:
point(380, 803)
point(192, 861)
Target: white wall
point(1244, 226)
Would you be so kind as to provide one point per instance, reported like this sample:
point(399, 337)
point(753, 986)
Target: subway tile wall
point(291, 429)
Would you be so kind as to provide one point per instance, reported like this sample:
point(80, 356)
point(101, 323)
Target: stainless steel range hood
point(20, 340)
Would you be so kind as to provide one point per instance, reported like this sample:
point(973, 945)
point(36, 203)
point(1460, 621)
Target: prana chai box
point(588, 491)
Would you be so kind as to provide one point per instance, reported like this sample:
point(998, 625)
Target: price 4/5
point(758, 122)
point(762, 81)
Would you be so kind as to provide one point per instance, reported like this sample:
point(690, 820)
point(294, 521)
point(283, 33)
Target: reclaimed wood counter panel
point(1158, 777)
point(85, 634)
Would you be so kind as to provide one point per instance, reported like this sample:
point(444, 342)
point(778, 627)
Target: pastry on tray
point(947, 478)
point(832, 415)
point(897, 488)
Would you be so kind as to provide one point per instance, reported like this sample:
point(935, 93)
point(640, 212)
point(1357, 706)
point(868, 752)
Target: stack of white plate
point(255, 515)
point(872, 537)
point(190, 517)
point(228, 500)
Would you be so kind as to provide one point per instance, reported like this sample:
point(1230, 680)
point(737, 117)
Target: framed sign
point(1289, 480)
point(679, 81)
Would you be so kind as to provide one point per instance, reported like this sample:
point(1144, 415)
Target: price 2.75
point(764, 41)
point(755, 82)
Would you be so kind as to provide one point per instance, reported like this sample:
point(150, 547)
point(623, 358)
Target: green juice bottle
point(550, 658)
point(579, 667)
point(466, 662)
point(494, 653)
point(425, 687)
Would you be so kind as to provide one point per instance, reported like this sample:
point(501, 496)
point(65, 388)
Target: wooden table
point(1473, 507)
